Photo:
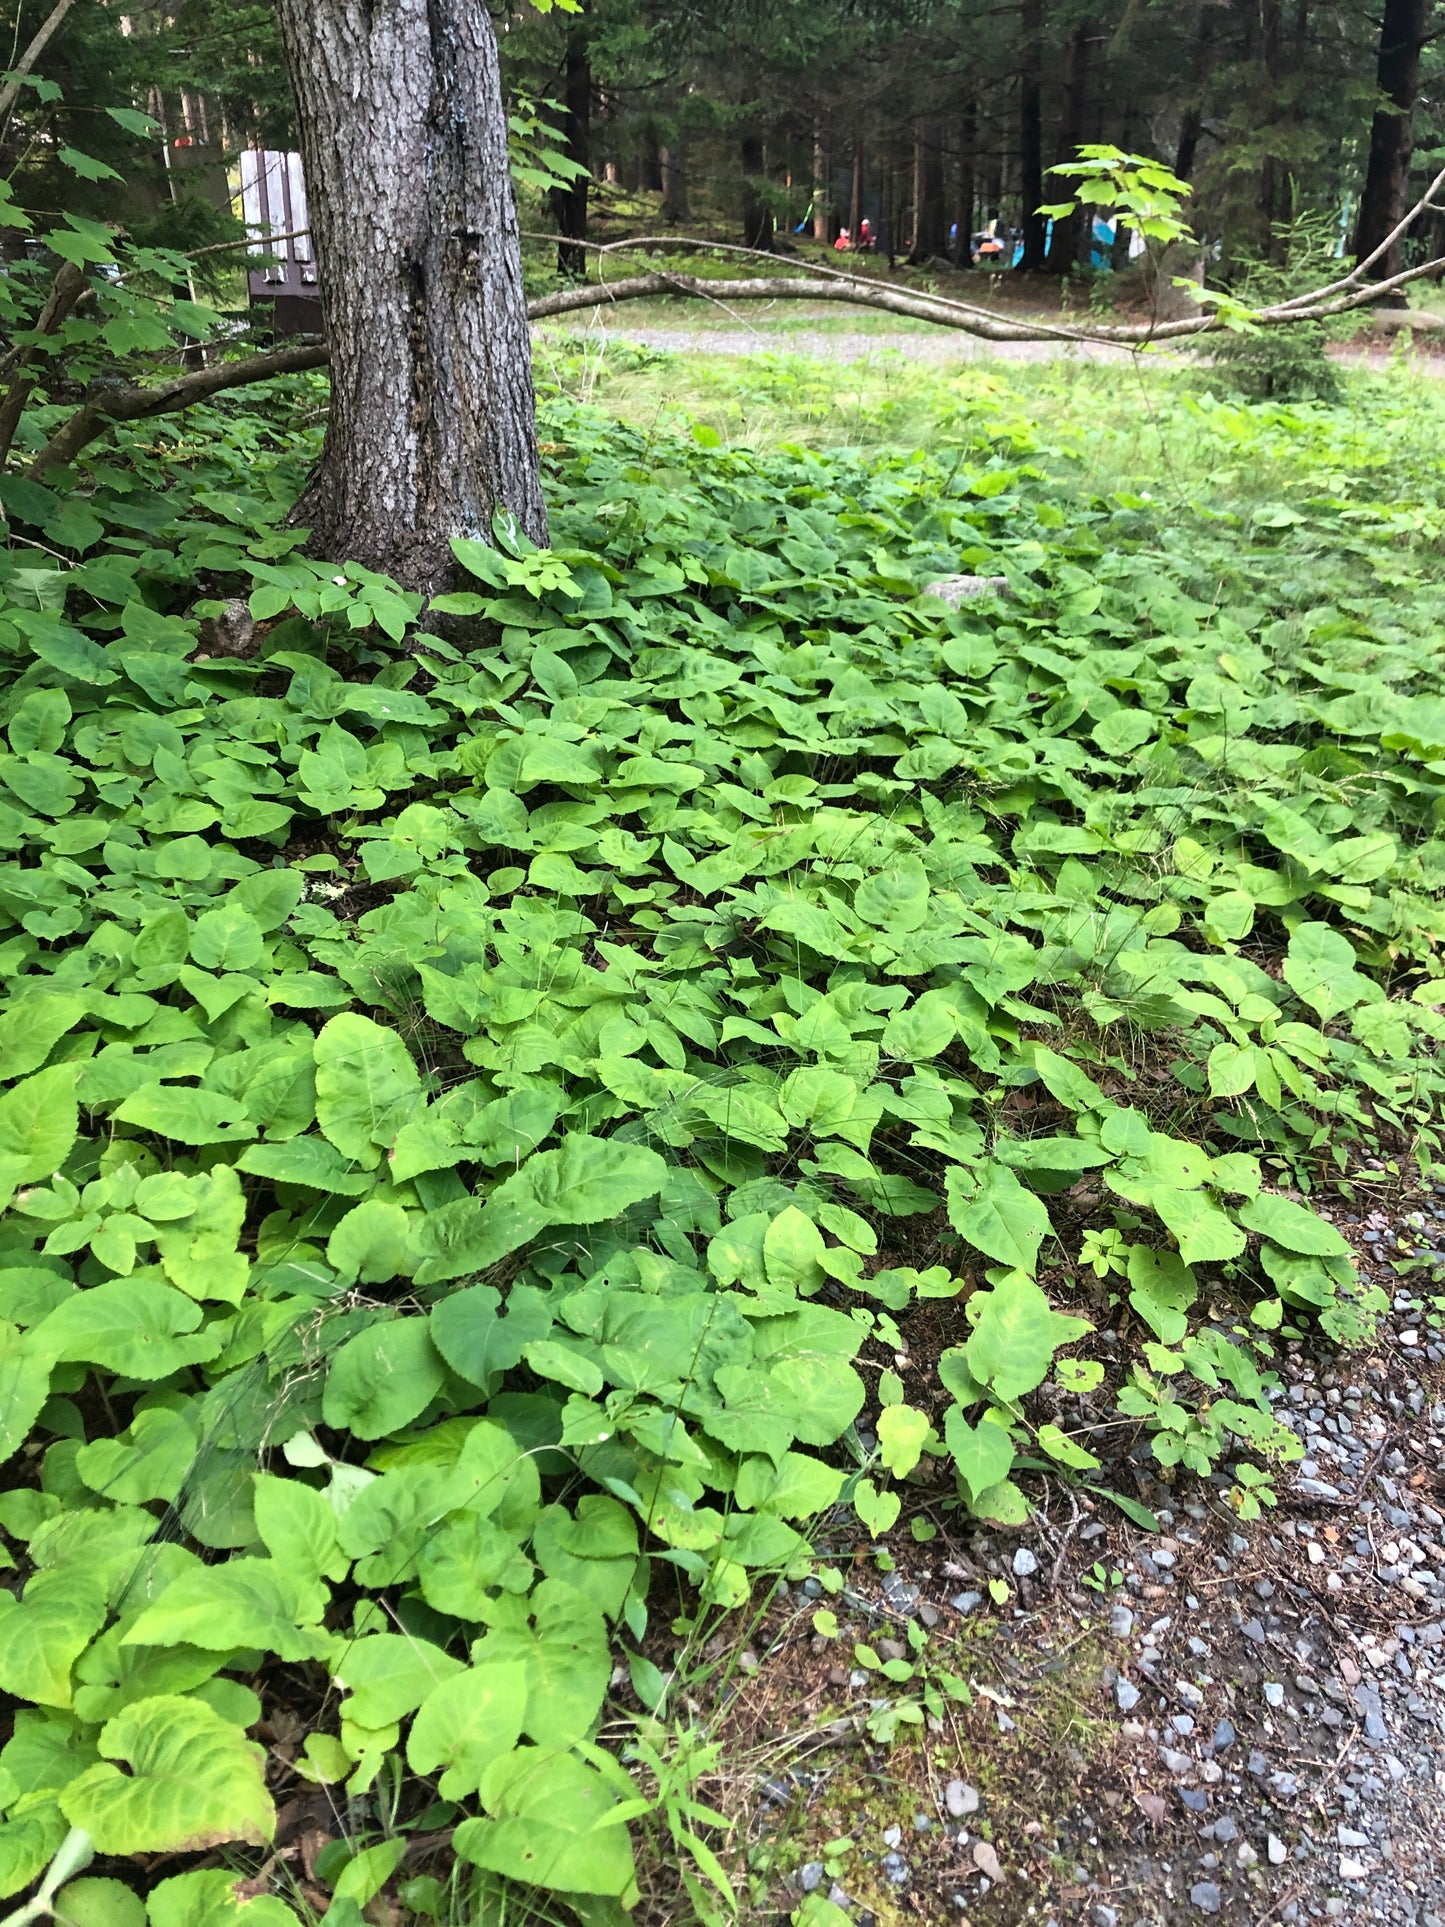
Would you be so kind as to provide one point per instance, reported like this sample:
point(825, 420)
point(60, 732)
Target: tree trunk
point(569, 203)
point(676, 207)
point(929, 235)
point(1068, 234)
point(1031, 133)
point(650, 176)
point(1392, 134)
point(967, 180)
point(822, 196)
point(757, 212)
point(1191, 125)
point(855, 202)
point(432, 428)
point(1276, 177)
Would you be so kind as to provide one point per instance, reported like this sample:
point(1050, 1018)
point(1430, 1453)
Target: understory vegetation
point(519, 1114)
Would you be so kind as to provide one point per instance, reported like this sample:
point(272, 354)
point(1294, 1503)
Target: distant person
point(865, 236)
point(843, 242)
point(987, 249)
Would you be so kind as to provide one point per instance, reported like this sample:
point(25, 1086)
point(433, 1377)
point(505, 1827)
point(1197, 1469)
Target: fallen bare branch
point(113, 404)
point(108, 403)
point(1362, 268)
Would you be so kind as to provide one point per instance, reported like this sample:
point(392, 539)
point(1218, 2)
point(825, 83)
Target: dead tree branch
point(816, 282)
point(113, 403)
point(10, 92)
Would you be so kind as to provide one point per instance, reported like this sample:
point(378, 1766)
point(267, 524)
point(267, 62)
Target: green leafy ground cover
point(481, 1108)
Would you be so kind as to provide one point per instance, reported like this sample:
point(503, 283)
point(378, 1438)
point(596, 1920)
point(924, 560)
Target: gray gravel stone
point(960, 1798)
point(1127, 1694)
point(1025, 1563)
point(958, 589)
point(1206, 1896)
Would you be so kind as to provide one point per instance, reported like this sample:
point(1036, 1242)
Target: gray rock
point(895, 1868)
point(1368, 1701)
point(966, 1602)
point(810, 1878)
point(1025, 1563)
point(960, 1798)
point(955, 590)
point(1121, 1622)
point(1127, 1694)
point(1276, 1849)
point(1224, 1736)
point(1205, 1895)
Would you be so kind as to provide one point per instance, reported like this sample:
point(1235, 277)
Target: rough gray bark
point(432, 426)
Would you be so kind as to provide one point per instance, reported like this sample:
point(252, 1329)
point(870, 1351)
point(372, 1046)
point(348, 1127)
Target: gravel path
point(1241, 1724)
point(942, 347)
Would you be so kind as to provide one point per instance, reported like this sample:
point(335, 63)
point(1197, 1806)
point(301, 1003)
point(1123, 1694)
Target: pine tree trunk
point(855, 199)
point(929, 237)
point(432, 428)
point(1069, 232)
point(757, 212)
point(1392, 135)
point(676, 207)
point(569, 203)
point(1031, 133)
point(649, 164)
point(822, 196)
point(967, 180)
